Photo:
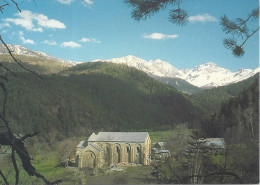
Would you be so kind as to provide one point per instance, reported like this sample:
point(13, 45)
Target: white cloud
point(25, 41)
point(49, 23)
point(65, 1)
point(85, 39)
point(27, 20)
point(95, 40)
point(89, 2)
point(50, 43)
point(2, 25)
point(159, 36)
point(70, 44)
point(202, 18)
point(89, 40)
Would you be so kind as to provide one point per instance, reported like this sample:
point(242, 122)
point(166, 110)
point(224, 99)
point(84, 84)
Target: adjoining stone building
point(106, 148)
point(159, 152)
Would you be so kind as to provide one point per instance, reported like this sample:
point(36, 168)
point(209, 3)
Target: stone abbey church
point(107, 148)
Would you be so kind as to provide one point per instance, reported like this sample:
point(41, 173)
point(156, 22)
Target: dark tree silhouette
point(239, 31)
point(8, 137)
point(145, 8)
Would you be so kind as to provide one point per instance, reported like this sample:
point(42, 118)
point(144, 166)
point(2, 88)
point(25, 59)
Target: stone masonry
point(106, 148)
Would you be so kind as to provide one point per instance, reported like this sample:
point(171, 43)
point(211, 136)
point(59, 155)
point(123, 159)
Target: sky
point(85, 30)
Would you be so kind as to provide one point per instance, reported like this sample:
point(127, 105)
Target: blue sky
point(84, 30)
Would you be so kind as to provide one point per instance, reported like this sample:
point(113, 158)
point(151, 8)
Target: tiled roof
point(96, 147)
point(131, 137)
point(218, 142)
point(82, 144)
point(157, 151)
point(160, 144)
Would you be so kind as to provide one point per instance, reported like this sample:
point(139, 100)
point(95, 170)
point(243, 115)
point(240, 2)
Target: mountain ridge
point(21, 50)
point(206, 75)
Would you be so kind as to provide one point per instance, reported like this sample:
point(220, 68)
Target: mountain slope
point(211, 99)
point(210, 75)
point(39, 65)
point(152, 68)
point(179, 84)
point(94, 97)
point(204, 76)
point(20, 50)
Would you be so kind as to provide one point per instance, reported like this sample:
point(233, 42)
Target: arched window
point(107, 155)
point(138, 149)
point(118, 154)
point(128, 151)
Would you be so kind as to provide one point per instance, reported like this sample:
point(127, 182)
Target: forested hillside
point(69, 102)
point(240, 114)
point(94, 97)
point(180, 84)
point(101, 96)
point(238, 122)
point(210, 100)
point(38, 65)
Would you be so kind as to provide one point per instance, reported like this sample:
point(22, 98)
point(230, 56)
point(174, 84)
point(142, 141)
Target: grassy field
point(165, 135)
point(50, 167)
point(130, 175)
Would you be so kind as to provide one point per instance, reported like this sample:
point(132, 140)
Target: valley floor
point(129, 175)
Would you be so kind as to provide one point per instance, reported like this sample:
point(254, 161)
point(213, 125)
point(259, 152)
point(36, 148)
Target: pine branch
point(17, 6)
point(239, 30)
point(143, 9)
point(256, 30)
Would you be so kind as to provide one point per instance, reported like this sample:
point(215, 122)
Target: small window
point(127, 149)
point(117, 149)
point(138, 150)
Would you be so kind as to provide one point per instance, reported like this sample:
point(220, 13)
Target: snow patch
point(205, 75)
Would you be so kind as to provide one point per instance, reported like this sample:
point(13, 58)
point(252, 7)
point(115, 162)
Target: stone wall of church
point(114, 153)
point(89, 158)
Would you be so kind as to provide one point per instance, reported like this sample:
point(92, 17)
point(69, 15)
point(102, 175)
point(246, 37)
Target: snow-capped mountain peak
point(21, 50)
point(165, 67)
point(205, 75)
point(148, 67)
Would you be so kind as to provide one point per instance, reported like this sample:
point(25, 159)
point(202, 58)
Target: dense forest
point(93, 97)
point(238, 122)
point(240, 115)
point(67, 103)
point(193, 162)
point(211, 99)
point(179, 84)
point(89, 97)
